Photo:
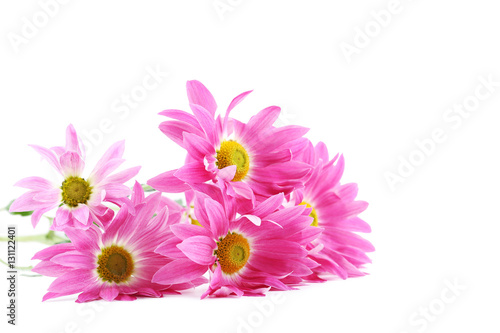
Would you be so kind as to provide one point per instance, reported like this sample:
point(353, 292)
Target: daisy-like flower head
point(116, 264)
point(79, 200)
point(247, 255)
point(252, 160)
point(339, 250)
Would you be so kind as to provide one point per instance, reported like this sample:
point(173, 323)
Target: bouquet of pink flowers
point(265, 210)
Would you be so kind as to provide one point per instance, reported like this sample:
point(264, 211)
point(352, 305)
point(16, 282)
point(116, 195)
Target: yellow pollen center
point(115, 264)
point(313, 214)
point(232, 252)
point(232, 153)
point(75, 190)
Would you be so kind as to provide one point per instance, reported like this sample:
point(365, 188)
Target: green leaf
point(147, 188)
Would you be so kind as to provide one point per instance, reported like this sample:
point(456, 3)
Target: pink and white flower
point(249, 161)
point(79, 201)
point(339, 250)
point(118, 263)
point(247, 255)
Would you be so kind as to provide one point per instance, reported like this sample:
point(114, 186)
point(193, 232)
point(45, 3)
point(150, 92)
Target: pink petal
point(72, 282)
point(62, 216)
point(75, 259)
point(49, 156)
point(199, 249)
point(71, 164)
point(35, 183)
point(237, 100)
point(184, 231)
point(137, 194)
point(167, 182)
point(90, 295)
point(321, 151)
point(269, 206)
point(49, 196)
point(115, 190)
point(122, 176)
point(26, 203)
point(285, 134)
point(345, 238)
point(262, 120)
point(49, 295)
point(219, 223)
point(227, 173)
point(254, 219)
point(199, 94)
point(72, 143)
point(170, 249)
point(108, 292)
point(99, 174)
point(37, 214)
point(58, 150)
point(52, 251)
point(279, 249)
point(193, 172)
point(174, 130)
point(283, 172)
point(197, 147)
point(51, 269)
point(206, 121)
point(122, 297)
point(182, 116)
point(179, 271)
point(113, 152)
point(85, 241)
point(81, 214)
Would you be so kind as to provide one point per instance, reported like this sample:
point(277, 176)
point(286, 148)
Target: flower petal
point(193, 172)
point(199, 249)
point(35, 183)
point(50, 156)
point(81, 214)
point(168, 183)
point(199, 94)
point(179, 271)
point(219, 223)
point(109, 292)
point(72, 143)
point(72, 282)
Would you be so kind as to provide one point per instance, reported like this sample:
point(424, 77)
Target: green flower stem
point(147, 188)
point(49, 238)
point(25, 268)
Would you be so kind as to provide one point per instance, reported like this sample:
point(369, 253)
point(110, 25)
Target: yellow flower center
point(232, 251)
point(75, 190)
point(115, 264)
point(232, 153)
point(313, 214)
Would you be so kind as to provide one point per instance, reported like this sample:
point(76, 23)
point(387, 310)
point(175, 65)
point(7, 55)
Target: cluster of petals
point(276, 255)
point(265, 210)
point(44, 195)
point(133, 236)
point(271, 169)
point(339, 250)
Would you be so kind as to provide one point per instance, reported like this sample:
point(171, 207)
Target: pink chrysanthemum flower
point(116, 264)
point(253, 160)
point(246, 256)
point(338, 250)
point(79, 200)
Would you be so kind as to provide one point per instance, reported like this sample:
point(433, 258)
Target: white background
point(440, 224)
